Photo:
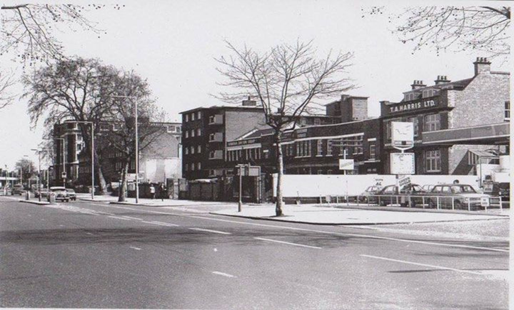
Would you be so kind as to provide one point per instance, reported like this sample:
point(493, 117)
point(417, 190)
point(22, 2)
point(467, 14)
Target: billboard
point(402, 134)
point(403, 163)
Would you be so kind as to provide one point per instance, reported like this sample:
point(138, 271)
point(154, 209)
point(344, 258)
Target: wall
point(322, 185)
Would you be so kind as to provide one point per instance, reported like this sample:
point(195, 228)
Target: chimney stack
point(249, 102)
point(482, 65)
point(441, 79)
point(417, 84)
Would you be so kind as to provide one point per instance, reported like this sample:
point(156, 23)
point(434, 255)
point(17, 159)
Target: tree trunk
point(122, 193)
point(280, 172)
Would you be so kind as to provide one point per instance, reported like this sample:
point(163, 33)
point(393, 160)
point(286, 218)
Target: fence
point(418, 201)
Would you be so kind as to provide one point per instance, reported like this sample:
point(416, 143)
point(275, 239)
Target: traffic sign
point(346, 164)
point(64, 175)
point(404, 182)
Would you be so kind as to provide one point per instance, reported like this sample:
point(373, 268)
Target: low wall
point(316, 185)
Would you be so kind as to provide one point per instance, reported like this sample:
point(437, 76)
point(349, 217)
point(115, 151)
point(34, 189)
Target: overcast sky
point(173, 44)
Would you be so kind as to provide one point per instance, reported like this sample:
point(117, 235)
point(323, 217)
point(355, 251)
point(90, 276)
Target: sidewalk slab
point(338, 216)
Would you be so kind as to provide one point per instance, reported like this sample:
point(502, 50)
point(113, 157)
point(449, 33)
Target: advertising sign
point(346, 164)
point(402, 134)
point(402, 163)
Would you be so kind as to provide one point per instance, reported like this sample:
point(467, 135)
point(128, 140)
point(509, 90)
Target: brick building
point(455, 123)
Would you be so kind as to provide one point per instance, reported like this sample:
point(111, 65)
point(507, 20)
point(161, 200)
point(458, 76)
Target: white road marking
point(419, 264)
point(132, 218)
point(160, 223)
point(133, 247)
point(212, 231)
point(88, 233)
point(289, 243)
point(119, 218)
point(317, 231)
point(224, 274)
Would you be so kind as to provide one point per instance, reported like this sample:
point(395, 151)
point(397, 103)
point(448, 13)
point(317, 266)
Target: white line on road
point(289, 243)
point(133, 247)
point(419, 264)
point(224, 274)
point(212, 231)
point(119, 218)
point(160, 223)
point(321, 231)
point(132, 218)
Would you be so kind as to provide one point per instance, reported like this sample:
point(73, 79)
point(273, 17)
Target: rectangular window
point(329, 147)
point(192, 133)
point(432, 122)
point(308, 148)
point(199, 132)
point(319, 147)
point(433, 161)
point(388, 130)
point(415, 121)
point(199, 115)
point(199, 166)
point(507, 111)
point(199, 150)
point(170, 128)
point(472, 158)
point(372, 151)
point(187, 133)
point(192, 150)
point(186, 150)
point(298, 152)
point(193, 118)
point(186, 117)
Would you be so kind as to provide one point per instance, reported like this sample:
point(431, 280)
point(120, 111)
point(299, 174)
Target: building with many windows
point(455, 123)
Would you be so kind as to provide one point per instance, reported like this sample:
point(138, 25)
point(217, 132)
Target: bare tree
point(133, 91)
point(286, 80)
point(6, 96)
point(26, 168)
point(76, 90)
point(29, 29)
point(484, 28)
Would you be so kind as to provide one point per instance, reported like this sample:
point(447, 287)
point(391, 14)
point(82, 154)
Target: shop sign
point(402, 107)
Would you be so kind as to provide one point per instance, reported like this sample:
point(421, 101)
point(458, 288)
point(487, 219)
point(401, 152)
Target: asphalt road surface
point(95, 255)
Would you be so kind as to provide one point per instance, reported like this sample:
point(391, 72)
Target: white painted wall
point(157, 170)
point(322, 185)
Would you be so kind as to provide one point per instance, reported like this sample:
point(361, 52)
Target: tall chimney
point(249, 102)
point(441, 79)
point(417, 84)
point(482, 65)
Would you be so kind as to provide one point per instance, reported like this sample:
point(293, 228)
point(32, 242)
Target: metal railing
point(417, 201)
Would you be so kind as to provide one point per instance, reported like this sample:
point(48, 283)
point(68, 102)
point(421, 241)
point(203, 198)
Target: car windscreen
point(467, 189)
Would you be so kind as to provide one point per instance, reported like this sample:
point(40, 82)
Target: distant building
point(157, 162)
point(455, 123)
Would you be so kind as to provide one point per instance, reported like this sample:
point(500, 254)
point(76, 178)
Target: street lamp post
point(38, 171)
point(137, 144)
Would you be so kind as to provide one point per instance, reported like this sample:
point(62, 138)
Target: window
point(307, 146)
point(170, 128)
point(192, 166)
point(319, 147)
point(299, 150)
point(507, 111)
point(199, 149)
point(472, 158)
point(186, 150)
point(199, 166)
point(415, 121)
point(432, 122)
point(329, 147)
point(317, 121)
point(199, 115)
point(192, 150)
point(388, 130)
point(199, 132)
point(193, 118)
point(132, 164)
point(187, 133)
point(192, 133)
point(433, 161)
point(118, 165)
point(372, 151)
point(186, 117)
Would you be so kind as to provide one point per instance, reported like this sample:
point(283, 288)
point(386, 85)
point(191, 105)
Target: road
point(95, 255)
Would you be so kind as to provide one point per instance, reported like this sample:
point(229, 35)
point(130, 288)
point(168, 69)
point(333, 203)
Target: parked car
point(504, 191)
point(59, 192)
point(17, 190)
point(370, 191)
point(391, 195)
point(41, 192)
point(71, 193)
point(427, 188)
point(458, 196)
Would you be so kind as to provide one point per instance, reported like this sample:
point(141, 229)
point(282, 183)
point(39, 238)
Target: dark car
point(71, 193)
point(391, 195)
point(456, 196)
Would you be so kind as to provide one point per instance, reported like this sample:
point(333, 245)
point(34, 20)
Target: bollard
point(27, 195)
point(51, 199)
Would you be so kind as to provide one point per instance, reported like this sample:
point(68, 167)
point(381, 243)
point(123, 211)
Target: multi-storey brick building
point(455, 123)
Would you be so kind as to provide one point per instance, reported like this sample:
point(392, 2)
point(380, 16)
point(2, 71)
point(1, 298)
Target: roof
point(461, 84)
point(217, 107)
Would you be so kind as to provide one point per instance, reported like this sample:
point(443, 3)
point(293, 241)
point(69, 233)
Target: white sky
point(173, 44)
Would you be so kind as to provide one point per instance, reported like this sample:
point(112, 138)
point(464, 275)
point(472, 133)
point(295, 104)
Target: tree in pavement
point(76, 90)
point(457, 28)
point(26, 168)
point(288, 82)
point(132, 91)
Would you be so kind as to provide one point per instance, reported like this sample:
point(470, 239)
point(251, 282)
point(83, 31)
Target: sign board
point(402, 134)
point(64, 175)
point(346, 164)
point(247, 170)
point(402, 163)
point(404, 182)
point(484, 201)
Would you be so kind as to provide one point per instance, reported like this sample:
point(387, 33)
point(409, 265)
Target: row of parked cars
point(458, 196)
point(59, 192)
